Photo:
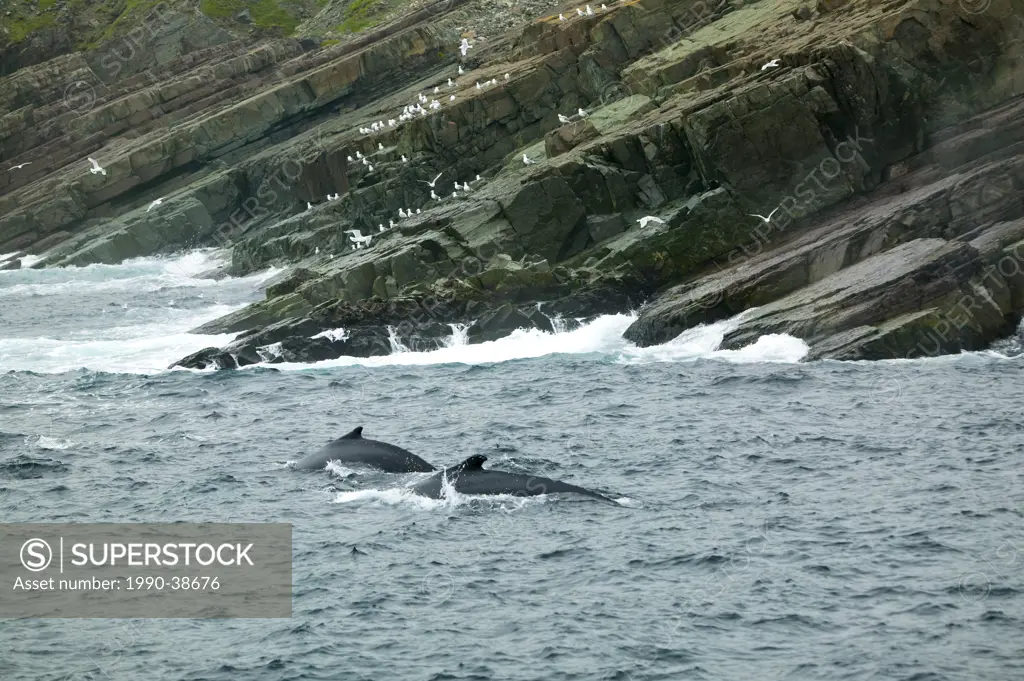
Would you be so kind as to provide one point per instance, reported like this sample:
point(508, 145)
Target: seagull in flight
point(19, 167)
point(648, 219)
point(764, 219)
point(155, 203)
point(358, 237)
point(771, 65)
point(528, 161)
point(96, 168)
point(434, 181)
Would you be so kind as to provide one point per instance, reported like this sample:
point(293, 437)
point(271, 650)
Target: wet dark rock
point(503, 321)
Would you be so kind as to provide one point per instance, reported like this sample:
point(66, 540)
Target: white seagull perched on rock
point(369, 168)
point(528, 161)
point(506, 76)
point(579, 12)
point(563, 119)
point(461, 71)
point(433, 195)
point(455, 195)
point(350, 159)
point(366, 162)
point(450, 83)
point(309, 206)
point(155, 203)
point(648, 219)
point(380, 147)
point(464, 47)
point(561, 17)
point(452, 98)
point(604, 6)
point(437, 90)
point(96, 168)
point(401, 213)
point(417, 211)
point(391, 224)
point(358, 155)
point(404, 159)
point(434, 181)
point(19, 167)
point(590, 12)
point(764, 219)
point(382, 228)
point(477, 178)
point(478, 85)
point(581, 113)
point(771, 65)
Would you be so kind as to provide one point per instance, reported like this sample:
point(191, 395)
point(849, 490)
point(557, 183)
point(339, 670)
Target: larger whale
point(470, 477)
point(354, 449)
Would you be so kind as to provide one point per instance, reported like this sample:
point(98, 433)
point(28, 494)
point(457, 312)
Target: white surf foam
point(148, 328)
point(601, 336)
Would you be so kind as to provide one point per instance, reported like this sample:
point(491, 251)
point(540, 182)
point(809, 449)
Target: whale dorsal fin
point(473, 463)
point(356, 434)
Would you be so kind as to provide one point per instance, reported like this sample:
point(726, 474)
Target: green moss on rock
point(266, 14)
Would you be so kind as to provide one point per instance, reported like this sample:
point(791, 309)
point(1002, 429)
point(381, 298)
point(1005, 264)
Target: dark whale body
point(353, 449)
point(469, 477)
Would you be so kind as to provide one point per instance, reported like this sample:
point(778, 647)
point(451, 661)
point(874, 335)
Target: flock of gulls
point(423, 106)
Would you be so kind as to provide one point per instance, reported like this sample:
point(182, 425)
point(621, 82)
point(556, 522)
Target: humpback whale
point(353, 448)
point(469, 477)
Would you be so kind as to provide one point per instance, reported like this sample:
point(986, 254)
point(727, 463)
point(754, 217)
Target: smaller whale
point(354, 449)
point(469, 477)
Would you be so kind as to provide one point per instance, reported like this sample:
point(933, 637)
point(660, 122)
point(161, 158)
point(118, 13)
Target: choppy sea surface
point(777, 519)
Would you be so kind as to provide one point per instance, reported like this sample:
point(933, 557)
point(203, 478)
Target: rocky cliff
point(882, 141)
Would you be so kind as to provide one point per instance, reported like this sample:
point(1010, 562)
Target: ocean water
point(776, 519)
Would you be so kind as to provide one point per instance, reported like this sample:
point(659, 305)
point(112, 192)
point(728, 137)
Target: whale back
point(470, 477)
point(353, 448)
